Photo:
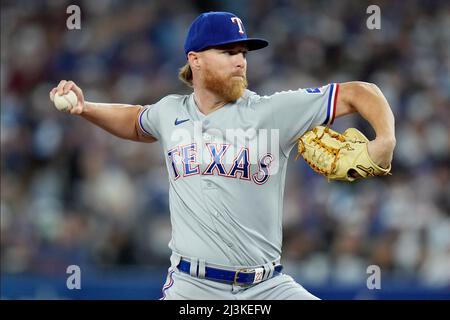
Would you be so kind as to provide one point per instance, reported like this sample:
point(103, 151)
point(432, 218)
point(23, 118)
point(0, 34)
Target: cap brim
point(252, 43)
point(255, 43)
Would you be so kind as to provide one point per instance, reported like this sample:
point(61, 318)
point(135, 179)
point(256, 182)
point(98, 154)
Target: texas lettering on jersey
point(248, 155)
point(184, 162)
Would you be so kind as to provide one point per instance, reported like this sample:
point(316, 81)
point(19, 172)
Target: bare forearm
point(118, 119)
point(368, 100)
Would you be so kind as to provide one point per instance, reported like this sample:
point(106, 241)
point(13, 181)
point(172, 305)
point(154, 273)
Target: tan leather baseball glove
point(339, 156)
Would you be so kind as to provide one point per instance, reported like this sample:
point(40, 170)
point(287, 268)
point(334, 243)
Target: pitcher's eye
point(235, 52)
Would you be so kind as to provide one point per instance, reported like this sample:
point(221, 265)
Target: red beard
point(228, 88)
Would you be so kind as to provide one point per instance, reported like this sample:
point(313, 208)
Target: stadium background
point(71, 194)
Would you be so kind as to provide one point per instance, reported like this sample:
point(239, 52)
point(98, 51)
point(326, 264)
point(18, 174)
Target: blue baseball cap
point(219, 28)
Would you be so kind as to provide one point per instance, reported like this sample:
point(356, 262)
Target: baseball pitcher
point(226, 150)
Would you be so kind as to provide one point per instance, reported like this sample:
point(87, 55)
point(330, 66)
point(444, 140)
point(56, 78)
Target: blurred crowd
point(73, 194)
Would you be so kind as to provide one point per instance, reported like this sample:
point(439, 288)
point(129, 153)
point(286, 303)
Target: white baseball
point(65, 102)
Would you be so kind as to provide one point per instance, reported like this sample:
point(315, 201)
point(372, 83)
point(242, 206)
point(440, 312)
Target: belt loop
point(266, 272)
point(271, 270)
point(175, 259)
point(201, 268)
point(194, 265)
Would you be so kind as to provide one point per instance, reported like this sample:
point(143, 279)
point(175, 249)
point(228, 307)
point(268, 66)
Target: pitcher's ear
point(194, 60)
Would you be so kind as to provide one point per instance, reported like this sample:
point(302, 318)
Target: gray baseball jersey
point(227, 169)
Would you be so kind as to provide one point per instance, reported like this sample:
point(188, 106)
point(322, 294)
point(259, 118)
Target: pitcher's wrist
point(387, 140)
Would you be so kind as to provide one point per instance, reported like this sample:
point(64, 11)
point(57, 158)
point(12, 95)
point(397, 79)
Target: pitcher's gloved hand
point(339, 156)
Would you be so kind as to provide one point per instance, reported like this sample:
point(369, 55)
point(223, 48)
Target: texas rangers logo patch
point(313, 90)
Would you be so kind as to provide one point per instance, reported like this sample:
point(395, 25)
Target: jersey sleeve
point(295, 112)
point(149, 121)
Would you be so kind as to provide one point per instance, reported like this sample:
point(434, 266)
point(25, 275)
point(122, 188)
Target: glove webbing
point(330, 150)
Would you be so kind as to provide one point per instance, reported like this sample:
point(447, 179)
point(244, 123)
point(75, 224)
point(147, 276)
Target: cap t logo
point(239, 22)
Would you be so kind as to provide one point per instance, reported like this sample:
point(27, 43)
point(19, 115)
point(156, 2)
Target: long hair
point(185, 74)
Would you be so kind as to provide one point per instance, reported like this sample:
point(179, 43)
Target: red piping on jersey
point(334, 103)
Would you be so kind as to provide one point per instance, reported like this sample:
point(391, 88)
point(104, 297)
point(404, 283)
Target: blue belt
point(241, 276)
